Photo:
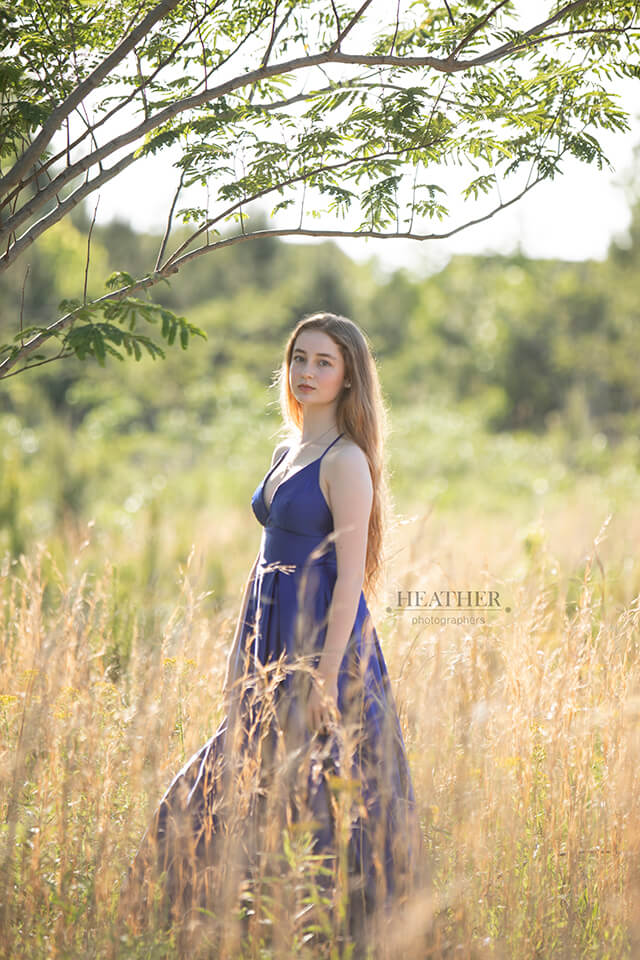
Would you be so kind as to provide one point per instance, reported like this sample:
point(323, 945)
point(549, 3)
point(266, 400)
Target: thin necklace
point(306, 444)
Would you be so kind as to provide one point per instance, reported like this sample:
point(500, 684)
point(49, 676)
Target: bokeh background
point(126, 535)
point(512, 385)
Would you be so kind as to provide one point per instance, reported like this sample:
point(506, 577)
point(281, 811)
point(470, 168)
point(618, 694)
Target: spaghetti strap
point(330, 445)
point(292, 476)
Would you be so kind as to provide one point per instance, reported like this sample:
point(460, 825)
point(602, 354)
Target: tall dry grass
point(522, 734)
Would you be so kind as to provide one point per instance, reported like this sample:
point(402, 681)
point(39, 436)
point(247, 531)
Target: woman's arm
point(351, 493)
point(351, 497)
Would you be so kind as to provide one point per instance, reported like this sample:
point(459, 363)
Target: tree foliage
point(340, 118)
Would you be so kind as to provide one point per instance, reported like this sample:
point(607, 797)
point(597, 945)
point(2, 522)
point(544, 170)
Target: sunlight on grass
point(522, 734)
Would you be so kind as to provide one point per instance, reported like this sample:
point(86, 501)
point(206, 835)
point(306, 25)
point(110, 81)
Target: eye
point(326, 361)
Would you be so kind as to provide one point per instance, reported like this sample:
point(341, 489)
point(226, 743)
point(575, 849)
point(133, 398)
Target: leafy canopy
point(340, 118)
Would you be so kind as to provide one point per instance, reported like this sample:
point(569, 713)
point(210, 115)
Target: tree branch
point(55, 328)
point(14, 250)
point(303, 177)
point(511, 47)
point(124, 139)
point(43, 196)
point(52, 123)
point(123, 103)
point(447, 65)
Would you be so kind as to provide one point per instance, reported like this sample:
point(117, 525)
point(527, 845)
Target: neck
point(321, 423)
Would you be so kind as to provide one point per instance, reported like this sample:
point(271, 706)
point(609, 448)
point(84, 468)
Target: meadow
point(522, 732)
point(126, 536)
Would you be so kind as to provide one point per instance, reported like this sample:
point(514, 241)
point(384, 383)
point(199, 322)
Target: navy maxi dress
point(295, 775)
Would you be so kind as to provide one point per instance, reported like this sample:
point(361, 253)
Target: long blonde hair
point(361, 415)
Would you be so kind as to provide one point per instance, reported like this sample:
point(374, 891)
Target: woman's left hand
point(322, 705)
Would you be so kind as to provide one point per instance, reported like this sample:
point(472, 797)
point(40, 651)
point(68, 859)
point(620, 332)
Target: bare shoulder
point(349, 488)
point(347, 462)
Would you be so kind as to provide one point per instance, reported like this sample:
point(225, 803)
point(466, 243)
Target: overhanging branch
point(302, 177)
point(64, 207)
point(448, 65)
point(169, 269)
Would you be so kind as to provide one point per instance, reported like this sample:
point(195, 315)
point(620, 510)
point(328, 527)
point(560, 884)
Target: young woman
point(307, 693)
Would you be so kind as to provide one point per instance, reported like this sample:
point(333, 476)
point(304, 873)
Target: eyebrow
point(330, 355)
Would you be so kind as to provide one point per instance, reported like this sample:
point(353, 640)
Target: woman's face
point(316, 361)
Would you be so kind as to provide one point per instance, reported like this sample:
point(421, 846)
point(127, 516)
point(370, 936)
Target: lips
point(305, 387)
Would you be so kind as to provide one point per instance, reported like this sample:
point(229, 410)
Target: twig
point(302, 201)
point(143, 93)
point(349, 27)
point(24, 283)
point(265, 59)
point(167, 231)
point(86, 268)
point(336, 15)
point(395, 35)
point(478, 26)
point(423, 143)
point(39, 363)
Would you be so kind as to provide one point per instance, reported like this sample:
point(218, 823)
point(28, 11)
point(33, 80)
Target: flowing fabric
point(263, 765)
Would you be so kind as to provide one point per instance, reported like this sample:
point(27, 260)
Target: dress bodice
point(298, 519)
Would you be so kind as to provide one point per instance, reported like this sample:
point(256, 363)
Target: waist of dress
point(297, 549)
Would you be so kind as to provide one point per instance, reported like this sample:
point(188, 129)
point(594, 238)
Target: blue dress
point(299, 772)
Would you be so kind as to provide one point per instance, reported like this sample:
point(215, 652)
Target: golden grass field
point(523, 736)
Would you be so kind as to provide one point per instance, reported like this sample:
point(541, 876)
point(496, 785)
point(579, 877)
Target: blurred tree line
point(525, 339)
point(524, 348)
